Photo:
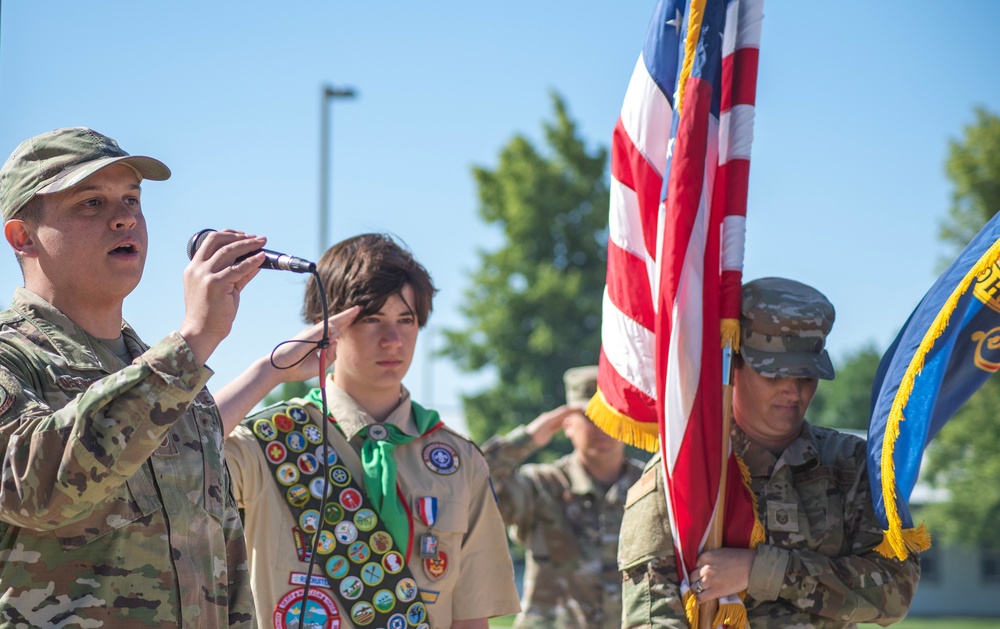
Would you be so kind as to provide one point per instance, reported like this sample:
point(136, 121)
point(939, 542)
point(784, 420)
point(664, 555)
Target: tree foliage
point(534, 306)
point(845, 401)
point(973, 165)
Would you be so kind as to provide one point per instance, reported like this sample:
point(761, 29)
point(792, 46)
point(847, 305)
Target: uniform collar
point(79, 350)
point(801, 453)
point(352, 419)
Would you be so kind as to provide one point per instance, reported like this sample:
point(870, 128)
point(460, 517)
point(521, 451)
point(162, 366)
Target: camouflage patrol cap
point(60, 159)
point(783, 328)
point(581, 385)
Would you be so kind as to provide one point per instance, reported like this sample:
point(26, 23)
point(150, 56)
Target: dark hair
point(365, 271)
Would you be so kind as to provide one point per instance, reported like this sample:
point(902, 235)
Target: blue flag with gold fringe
point(946, 350)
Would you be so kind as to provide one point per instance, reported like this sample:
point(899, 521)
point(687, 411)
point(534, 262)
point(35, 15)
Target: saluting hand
point(546, 425)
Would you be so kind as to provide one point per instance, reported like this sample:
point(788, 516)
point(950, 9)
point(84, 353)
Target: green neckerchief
point(379, 463)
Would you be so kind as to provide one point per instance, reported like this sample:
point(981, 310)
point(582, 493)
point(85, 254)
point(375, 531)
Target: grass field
point(909, 623)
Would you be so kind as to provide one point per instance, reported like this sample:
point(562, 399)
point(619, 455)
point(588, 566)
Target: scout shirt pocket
point(449, 531)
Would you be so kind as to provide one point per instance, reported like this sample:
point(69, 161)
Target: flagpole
point(707, 611)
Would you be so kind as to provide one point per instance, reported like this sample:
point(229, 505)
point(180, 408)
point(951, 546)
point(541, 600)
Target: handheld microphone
point(272, 259)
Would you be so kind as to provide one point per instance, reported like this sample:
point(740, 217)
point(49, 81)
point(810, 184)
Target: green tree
point(534, 306)
point(963, 457)
point(845, 401)
point(973, 166)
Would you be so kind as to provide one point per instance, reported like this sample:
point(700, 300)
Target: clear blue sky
point(856, 104)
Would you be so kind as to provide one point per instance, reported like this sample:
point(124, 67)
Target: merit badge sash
point(367, 573)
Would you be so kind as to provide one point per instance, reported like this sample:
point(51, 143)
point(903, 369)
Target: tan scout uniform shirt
point(478, 581)
point(817, 567)
point(115, 508)
point(569, 526)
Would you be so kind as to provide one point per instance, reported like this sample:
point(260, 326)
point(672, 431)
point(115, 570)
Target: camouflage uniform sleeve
point(515, 491)
point(58, 464)
point(859, 586)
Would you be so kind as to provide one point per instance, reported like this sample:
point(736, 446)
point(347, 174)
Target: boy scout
point(115, 507)
point(817, 566)
point(410, 534)
point(567, 514)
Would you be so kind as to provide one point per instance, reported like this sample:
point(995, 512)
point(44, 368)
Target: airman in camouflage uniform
point(567, 514)
point(115, 505)
point(817, 566)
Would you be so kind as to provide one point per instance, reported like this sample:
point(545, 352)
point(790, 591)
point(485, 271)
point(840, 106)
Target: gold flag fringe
point(731, 615)
point(691, 608)
point(729, 330)
point(899, 542)
point(620, 426)
point(757, 533)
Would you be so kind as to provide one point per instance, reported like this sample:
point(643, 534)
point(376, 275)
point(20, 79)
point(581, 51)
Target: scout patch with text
point(441, 458)
point(321, 610)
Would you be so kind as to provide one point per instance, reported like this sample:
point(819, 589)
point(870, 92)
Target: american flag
point(680, 165)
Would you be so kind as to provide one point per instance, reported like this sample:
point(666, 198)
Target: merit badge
point(351, 588)
point(365, 519)
point(372, 574)
point(264, 429)
point(427, 509)
point(308, 463)
point(337, 567)
point(362, 613)
point(318, 485)
point(287, 474)
point(339, 476)
point(435, 567)
point(296, 442)
point(297, 495)
point(416, 613)
point(428, 546)
point(276, 452)
point(309, 520)
point(298, 414)
point(393, 562)
point(282, 422)
point(321, 610)
point(396, 621)
point(313, 434)
point(384, 601)
point(378, 432)
point(346, 532)
point(350, 499)
point(328, 452)
point(380, 542)
point(359, 552)
point(325, 543)
point(406, 590)
point(441, 458)
point(334, 513)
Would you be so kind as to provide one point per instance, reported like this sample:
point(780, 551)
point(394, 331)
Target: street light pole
point(329, 93)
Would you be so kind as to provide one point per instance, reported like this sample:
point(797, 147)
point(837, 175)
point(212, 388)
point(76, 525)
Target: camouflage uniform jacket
point(115, 505)
point(569, 526)
point(817, 567)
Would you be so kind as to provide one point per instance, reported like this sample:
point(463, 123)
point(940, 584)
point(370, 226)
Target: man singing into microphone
point(410, 535)
point(115, 503)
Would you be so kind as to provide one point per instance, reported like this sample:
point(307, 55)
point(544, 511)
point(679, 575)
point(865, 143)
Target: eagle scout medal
point(441, 458)
point(321, 610)
point(427, 511)
point(428, 546)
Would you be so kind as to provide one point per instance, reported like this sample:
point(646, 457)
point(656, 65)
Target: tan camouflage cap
point(783, 328)
point(581, 385)
point(60, 159)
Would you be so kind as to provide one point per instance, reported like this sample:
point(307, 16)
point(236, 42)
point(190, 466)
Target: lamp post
point(329, 93)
